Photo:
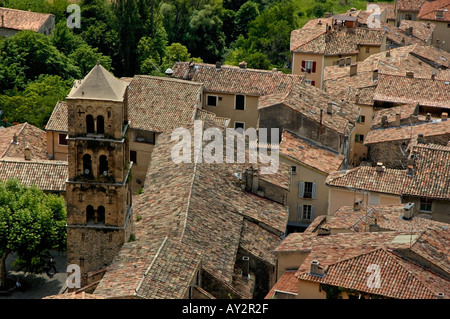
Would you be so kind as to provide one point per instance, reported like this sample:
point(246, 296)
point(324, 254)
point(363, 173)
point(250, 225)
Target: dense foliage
point(31, 224)
point(129, 37)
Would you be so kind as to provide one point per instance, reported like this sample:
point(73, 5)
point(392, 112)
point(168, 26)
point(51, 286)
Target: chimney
point(410, 74)
point(375, 75)
point(15, 139)
point(388, 53)
point(421, 139)
point(274, 70)
point(379, 167)
point(243, 65)
point(384, 121)
point(218, 66)
point(353, 69)
point(428, 117)
point(409, 171)
point(330, 108)
point(374, 227)
point(408, 211)
point(357, 205)
point(28, 153)
point(245, 267)
point(397, 118)
point(440, 295)
point(316, 269)
point(409, 31)
point(444, 116)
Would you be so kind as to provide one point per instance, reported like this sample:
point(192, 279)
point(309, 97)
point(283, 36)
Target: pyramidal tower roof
point(99, 84)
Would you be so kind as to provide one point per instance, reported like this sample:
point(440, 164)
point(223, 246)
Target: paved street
point(38, 285)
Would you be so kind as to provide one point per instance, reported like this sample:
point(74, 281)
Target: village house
point(390, 145)
point(23, 156)
point(13, 21)
point(407, 10)
point(437, 12)
point(332, 41)
point(233, 92)
point(310, 165)
point(314, 265)
point(311, 114)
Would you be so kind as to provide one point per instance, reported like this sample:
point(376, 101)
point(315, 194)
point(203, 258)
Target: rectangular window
point(361, 119)
point(133, 157)
point(239, 102)
point(359, 138)
point(307, 190)
point(62, 139)
point(310, 67)
point(425, 204)
point(211, 100)
point(306, 212)
point(294, 170)
point(239, 125)
point(367, 50)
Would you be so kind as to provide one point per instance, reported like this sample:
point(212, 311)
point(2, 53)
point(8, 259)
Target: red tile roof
point(23, 20)
point(27, 136)
point(235, 80)
point(58, 121)
point(287, 284)
point(410, 5)
point(309, 154)
point(430, 8)
point(388, 181)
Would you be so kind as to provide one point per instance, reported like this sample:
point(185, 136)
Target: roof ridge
point(18, 134)
point(313, 38)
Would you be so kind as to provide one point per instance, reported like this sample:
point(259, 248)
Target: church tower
point(99, 204)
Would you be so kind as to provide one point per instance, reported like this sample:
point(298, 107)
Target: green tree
point(36, 103)
point(64, 39)
point(27, 55)
point(31, 224)
point(86, 57)
point(246, 13)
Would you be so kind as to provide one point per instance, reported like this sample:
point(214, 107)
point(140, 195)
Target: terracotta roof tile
point(429, 10)
point(406, 132)
point(398, 278)
point(158, 104)
point(431, 177)
point(235, 80)
point(287, 283)
point(310, 154)
point(420, 30)
point(23, 20)
point(388, 181)
point(405, 111)
point(388, 217)
point(410, 5)
point(58, 121)
point(310, 101)
point(45, 174)
point(27, 136)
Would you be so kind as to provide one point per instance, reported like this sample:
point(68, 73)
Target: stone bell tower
point(99, 205)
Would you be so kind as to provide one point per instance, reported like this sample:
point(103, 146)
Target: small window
point(62, 139)
point(359, 138)
point(100, 125)
point(367, 50)
point(133, 157)
point(211, 100)
point(307, 209)
point(240, 102)
point(361, 119)
point(308, 190)
point(239, 125)
point(425, 204)
point(306, 212)
point(294, 170)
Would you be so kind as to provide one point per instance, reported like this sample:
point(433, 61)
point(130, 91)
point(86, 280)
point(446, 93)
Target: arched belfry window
point(90, 126)
point(103, 167)
point(87, 164)
point(101, 215)
point(100, 125)
point(90, 214)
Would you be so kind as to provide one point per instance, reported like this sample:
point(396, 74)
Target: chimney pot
point(316, 269)
point(397, 119)
point(357, 205)
point(330, 108)
point(243, 65)
point(408, 211)
point(379, 167)
point(444, 116)
point(440, 295)
point(218, 65)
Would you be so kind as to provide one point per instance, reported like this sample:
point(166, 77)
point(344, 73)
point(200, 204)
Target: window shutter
point(313, 212)
point(300, 212)
point(301, 189)
point(314, 67)
point(303, 66)
point(314, 191)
